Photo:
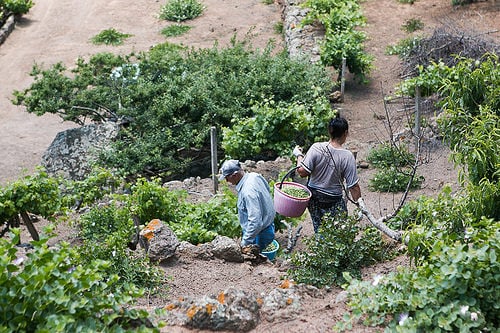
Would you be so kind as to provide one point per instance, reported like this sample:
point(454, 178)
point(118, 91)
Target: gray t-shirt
point(327, 175)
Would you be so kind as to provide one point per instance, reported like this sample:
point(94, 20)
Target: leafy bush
point(404, 46)
point(17, 7)
point(387, 155)
point(456, 289)
point(37, 194)
point(394, 180)
point(470, 123)
point(275, 127)
point(106, 232)
point(341, 246)
point(51, 292)
point(110, 37)
point(181, 10)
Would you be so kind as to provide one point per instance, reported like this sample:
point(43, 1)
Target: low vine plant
point(49, 291)
point(455, 290)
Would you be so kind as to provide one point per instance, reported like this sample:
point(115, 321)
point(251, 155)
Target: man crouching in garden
point(255, 204)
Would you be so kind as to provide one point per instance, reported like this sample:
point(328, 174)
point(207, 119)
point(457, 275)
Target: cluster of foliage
point(393, 163)
point(110, 37)
point(404, 46)
point(454, 239)
point(105, 233)
point(275, 127)
point(50, 291)
point(343, 39)
point(181, 10)
point(340, 246)
point(455, 289)
point(171, 96)
point(16, 7)
point(38, 194)
point(195, 223)
point(175, 30)
point(471, 122)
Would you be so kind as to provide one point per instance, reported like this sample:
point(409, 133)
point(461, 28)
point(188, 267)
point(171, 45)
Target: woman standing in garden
point(331, 170)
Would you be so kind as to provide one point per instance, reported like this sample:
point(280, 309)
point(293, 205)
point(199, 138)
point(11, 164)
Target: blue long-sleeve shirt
point(255, 206)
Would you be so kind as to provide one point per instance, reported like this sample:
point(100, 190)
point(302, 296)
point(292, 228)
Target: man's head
point(230, 171)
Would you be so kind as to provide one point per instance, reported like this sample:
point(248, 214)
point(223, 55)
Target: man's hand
point(297, 151)
point(250, 249)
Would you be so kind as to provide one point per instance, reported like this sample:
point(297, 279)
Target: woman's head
point(337, 127)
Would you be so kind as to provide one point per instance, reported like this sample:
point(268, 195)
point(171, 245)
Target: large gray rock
point(73, 151)
point(232, 310)
point(159, 240)
point(226, 248)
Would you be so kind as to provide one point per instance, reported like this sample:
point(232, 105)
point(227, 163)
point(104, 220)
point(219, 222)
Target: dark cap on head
point(228, 168)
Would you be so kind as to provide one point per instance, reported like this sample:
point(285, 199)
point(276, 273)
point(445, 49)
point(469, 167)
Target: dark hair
point(337, 127)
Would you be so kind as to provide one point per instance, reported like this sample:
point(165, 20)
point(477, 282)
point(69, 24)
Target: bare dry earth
point(56, 31)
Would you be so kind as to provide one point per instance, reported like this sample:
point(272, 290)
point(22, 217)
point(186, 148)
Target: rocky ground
point(43, 37)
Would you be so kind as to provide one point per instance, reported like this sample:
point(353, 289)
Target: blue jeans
point(265, 237)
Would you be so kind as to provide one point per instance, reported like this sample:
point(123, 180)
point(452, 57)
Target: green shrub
point(174, 100)
point(175, 30)
point(110, 37)
point(393, 163)
point(106, 232)
point(341, 246)
point(51, 292)
point(343, 39)
point(274, 127)
point(18, 7)
point(394, 180)
point(181, 10)
point(389, 155)
point(455, 290)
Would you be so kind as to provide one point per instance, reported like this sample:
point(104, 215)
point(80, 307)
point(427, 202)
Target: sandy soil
point(56, 31)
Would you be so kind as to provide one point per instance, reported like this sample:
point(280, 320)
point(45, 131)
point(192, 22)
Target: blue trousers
point(265, 237)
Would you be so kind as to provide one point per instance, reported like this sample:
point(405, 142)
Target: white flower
point(113, 253)
point(18, 261)
point(464, 309)
point(402, 318)
point(468, 233)
point(434, 213)
point(376, 279)
point(473, 316)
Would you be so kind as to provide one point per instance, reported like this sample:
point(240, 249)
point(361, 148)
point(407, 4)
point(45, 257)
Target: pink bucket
point(287, 205)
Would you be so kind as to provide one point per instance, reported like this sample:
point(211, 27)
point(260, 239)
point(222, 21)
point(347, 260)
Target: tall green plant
point(343, 39)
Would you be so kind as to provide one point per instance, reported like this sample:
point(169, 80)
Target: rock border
point(7, 28)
